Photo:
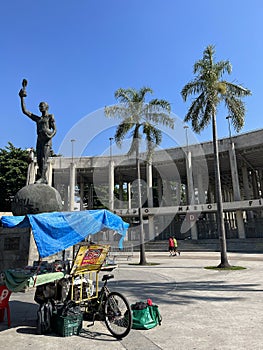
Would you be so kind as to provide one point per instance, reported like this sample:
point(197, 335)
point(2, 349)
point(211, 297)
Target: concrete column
point(247, 192)
point(236, 190)
point(260, 173)
point(49, 172)
point(129, 195)
point(91, 204)
point(260, 179)
point(121, 190)
point(111, 185)
point(151, 227)
point(177, 193)
point(166, 193)
point(211, 195)
point(201, 192)
point(81, 193)
point(120, 203)
point(189, 174)
point(159, 191)
point(255, 184)
point(149, 184)
point(31, 173)
point(149, 180)
point(234, 172)
point(72, 184)
point(190, 189)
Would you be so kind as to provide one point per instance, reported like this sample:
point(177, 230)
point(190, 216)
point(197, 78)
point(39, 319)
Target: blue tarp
point(54, 232)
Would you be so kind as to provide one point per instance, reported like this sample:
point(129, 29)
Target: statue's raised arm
point(46, 129)
point(23, 94)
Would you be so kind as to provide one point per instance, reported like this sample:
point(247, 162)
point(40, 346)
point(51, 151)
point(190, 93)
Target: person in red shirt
point(171, 246)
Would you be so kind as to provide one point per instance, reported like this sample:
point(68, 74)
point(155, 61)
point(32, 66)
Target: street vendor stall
point(55, 232)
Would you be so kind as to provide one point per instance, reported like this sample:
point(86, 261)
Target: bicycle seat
point(107, 277)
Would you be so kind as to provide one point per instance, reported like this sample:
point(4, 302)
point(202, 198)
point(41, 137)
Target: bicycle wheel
point(118, 315)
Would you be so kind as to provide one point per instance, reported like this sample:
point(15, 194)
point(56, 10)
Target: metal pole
point(229, 129)
point(186, 135)
point(111, 138)
point(72, 149)
point(111, 178)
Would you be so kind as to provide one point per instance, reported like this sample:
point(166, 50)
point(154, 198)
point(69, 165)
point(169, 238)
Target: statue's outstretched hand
point(22, 93)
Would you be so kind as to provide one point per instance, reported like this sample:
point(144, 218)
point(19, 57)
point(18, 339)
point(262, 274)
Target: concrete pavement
point(201, 309)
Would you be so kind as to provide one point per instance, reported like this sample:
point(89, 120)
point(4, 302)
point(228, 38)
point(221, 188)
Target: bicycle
point(112, 308)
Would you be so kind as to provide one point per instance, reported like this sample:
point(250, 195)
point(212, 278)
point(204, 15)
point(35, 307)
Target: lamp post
point(72, 179)
point(229, 128)
point(111, 178)
point(186, 135)
point(111, 139)
point(72, 149)
point(189, 191)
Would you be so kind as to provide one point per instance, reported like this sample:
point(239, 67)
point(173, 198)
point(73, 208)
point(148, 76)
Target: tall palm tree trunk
point(220, 217)
point(142, 246)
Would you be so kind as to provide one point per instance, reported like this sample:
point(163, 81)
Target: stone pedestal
point(36, 199)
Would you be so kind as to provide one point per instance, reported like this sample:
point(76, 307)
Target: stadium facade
point(178, 188)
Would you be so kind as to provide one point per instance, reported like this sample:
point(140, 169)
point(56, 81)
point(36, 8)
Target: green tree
point(211, 89)
point(136, 115)
point(13, 173)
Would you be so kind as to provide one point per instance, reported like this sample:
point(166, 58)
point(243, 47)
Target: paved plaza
point(201, 309)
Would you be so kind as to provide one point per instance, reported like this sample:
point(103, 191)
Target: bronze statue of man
point(46, 129)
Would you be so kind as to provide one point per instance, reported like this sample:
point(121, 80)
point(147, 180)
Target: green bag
point(146, 317)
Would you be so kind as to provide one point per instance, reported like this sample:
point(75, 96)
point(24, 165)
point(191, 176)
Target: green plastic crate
point(66, 326)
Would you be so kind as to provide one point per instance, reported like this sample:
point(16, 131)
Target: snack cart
point(54, 232)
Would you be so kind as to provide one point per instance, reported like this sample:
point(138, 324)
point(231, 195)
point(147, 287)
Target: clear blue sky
point(75, 54)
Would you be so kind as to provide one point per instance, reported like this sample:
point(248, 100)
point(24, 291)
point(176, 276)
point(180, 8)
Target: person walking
point(176, 251)
point(171, 246)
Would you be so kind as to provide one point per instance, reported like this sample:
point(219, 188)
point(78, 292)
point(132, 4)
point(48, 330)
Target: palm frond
point(121, 132)
point(222, 67)
point(237, 90)
point(143, 91)
point(212, 90)
point(192, 88)
point(125, 95)
point(159, 104)
point(160, 118)
point(152, 133)
point(206, 62)
point(196, 113)
point(208, 54)
point(153, 138)
point(208, 113)
point(116, 111)
point(236, 109)
point(158, 112)
point(135, 112)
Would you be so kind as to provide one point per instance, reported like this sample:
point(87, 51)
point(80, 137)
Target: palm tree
point(136, 115)
point(211, 90)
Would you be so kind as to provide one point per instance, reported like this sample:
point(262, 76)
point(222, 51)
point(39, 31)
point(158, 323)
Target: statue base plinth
point(36, 199)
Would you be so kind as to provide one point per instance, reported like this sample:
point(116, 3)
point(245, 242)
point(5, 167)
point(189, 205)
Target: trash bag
point(145, 316)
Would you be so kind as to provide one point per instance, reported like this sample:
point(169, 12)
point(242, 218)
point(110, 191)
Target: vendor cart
point(67, 297)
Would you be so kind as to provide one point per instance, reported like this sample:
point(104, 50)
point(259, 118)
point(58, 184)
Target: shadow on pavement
point(169, 292)
point(101, 336)
point(22, 314)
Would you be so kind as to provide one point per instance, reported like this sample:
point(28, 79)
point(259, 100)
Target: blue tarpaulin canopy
point(54, 232)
